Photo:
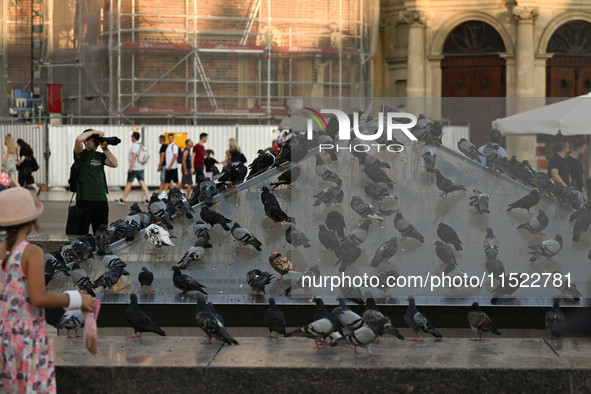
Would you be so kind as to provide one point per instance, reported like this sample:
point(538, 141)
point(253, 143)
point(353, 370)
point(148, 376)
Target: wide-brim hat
point(17, 207)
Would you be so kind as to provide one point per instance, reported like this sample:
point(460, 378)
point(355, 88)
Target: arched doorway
point(568, 72)
point(473, 68)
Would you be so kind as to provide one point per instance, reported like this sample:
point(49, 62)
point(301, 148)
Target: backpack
point(75, 174)
point(179, 155)
point(143, 156)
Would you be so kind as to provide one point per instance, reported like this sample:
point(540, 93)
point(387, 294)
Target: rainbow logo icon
point(315, 115)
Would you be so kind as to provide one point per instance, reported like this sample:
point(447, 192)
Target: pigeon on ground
point(191, 256)
point(81, 279)
point(358, 235)
point(426, 129)
point(326, 173)
point(349, 320)
point(170, 208)
point(139, 320)
point(371, 314)
point(351, 293)
point(266, 195)
point(320, 329)
point(448, 235)
point(329, 240)
point(417, 322)
point(48, 271)
point(387, 280)
point(274, 319)
point(257, 280)
point(287, 177)
point(108, 279)
point(72, 320)
point(480, 322)
point(452, 271)
point(158, 236)
point(335, 221)
point(145, 278)
point(446, 185)
point(491, 244)
point(385, 252)
point(211, 325)
point(406, 229)
point(245, 237)
point(305, 281)
point(330, 195)
point(543, 182)
point(537, 224)
point(320, 312)
point(548, 248)
point(377, 175)
point(555, 322)
point(566, 287)
point(208, 191)
point(202, 234)
point(210, 308)
point(296, 237)
point(366, 210)
point(131, 229)
point(111, 261)
point(102, 239)
point(185, 283)
point(350, 253)
point(429, 155)
point(479, 201)
point(507, 287)
point(277, 214)
point(526, 202)
point(282, 265)
point(581, 225)
point(495, 267)
point(83, 247)
point(367, 159)
point(364, 336)
point(468, 149)
point(180, 202)
point(378, 191)
point(159, 211)
point(213, 218)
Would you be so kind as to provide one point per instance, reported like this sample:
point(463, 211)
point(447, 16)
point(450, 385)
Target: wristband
point(75, 300)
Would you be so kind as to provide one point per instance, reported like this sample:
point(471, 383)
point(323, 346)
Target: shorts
point(171, 176)
point(135, 174)
point(163, 173)
point(10, 167)
point(187, 179)
point(199, 173)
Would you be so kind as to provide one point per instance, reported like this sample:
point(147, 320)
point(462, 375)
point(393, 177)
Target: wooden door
point(568, 76)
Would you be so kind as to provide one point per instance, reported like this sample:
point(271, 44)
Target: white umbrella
point(570, 117)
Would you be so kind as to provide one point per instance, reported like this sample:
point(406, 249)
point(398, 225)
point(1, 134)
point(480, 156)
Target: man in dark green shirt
point(91, 195)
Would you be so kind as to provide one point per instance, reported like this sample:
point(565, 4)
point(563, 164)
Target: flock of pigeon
point(360, 331)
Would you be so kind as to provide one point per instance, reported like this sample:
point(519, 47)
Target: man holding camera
point(91, 195)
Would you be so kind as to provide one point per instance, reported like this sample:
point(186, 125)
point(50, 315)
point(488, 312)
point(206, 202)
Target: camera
point(109, 140)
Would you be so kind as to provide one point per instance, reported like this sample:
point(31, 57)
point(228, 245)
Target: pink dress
point(27, 361)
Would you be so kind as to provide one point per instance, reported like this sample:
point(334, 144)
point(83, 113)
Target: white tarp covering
point(570, 117)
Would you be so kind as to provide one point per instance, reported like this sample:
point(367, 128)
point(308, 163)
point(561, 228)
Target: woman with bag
point(25, 350)
point(9, 159)
point(27, 164)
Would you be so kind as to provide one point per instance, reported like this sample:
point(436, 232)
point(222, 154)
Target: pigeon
point(378, 191)
point(491, 153)
point(210, 308)
point(566, 287)
point(349, 320)
point(446, 185)
point(429, 155)
point(417, 322)
point(159, 211)
point(325, 139)
point(53, 264)
point(479, 201)
point(170, 208)
point(426, 129)
point(202, 233)
point(526, 202)
point(282, 265)
point(330, 195)
point(452, 271)
point(293, 150)
point(406, 229)
point(266, 195)
point(208, 190)
point(276, 214)
point(585, 207)
point(245, 237)
point(445, 253)
point(131, 229)
point(72, 320)
point(185, 283)
point(448, 235)
point(537, 224)
point(507, 287)
point(581, 225)
point(480, 322)
point(364, 336)
point(495, 267)
point(195, 197)
point(213, 218)
point(468, 149)
point(548, 248)
point(350, 253)
point(102, 239)
point(139, 321)
point(145, 278)
point(352, 293)
point(385, 252)
point(366, 210)
point(274, 320)
point(320, 311)
point(329, 240)
point(368, 159)
point(542, 182)
point(83, 247)
point(257, 280)
point(377, 175)
point(158, 236)
point(111, 261)
point(81, 279)
point(371, 314)
point(303, 281)
point(335, 221)
point(261, 163)
point(211, 325)
point(48, 271)
point(491, 244)
point(358, 235)
point(326, 173)
point(320, 329)
point(287, 177)
point(108, 279)
point(296, 237)
point(555, 322)
point(191, 256)
point(387, 280)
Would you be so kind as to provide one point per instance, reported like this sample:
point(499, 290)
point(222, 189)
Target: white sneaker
point(162, 195)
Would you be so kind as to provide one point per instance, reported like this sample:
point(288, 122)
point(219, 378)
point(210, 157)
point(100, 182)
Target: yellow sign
point(179, 139)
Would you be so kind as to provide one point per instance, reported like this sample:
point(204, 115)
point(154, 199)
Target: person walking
point(162, 163)
point(558, 166)
point(9, 159)
point(187, 169)
point(136, 170)
point(577, 173)
point(91, 195)
point(172, 164)
point(199, 157)
point(25, 166)
point(27, 358)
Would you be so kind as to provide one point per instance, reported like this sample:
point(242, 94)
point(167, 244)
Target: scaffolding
point(128, 60)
